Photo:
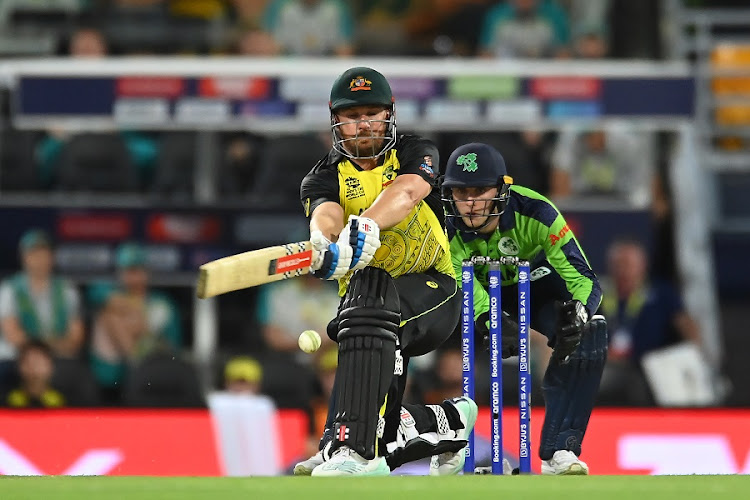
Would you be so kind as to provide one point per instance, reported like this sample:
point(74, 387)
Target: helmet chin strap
point(490, 219)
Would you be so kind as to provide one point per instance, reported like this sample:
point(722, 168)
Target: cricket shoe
point(564, 463)
point(451, 463)
point(347, 462)
point(305, 467)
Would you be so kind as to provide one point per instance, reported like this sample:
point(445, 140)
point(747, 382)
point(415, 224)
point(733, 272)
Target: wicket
point(496, 381)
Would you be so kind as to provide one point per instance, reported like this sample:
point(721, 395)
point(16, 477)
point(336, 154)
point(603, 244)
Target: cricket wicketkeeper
point(489, 216)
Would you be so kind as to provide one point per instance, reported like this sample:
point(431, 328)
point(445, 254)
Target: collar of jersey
point(336, 158)
point(381, 161)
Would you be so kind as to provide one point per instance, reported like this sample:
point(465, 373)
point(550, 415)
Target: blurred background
point(140, 139)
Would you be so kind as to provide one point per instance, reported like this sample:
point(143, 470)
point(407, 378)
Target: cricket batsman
point(489, 216)
point(377, 225)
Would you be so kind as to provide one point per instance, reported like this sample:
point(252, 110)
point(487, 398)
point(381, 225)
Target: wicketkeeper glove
point(571, 316)
point(330, 261)
point(362, 236)
point(509, 340)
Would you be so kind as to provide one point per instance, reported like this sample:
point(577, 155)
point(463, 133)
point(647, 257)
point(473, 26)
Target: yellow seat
point(733, 115)
point(731, 56)
point(731, 85)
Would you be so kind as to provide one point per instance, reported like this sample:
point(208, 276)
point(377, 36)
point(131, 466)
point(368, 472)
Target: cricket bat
point(254, 268)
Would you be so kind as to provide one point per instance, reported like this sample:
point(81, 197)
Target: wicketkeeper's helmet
point(470, 166)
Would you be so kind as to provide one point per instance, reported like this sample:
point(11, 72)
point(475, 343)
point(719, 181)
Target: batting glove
point(320, 245)
point(362, 236)
point(330, 261)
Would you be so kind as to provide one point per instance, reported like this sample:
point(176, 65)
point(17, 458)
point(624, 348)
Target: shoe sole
point(301, 470)
point(379, 472)
point(573, 470)
point(364, 474)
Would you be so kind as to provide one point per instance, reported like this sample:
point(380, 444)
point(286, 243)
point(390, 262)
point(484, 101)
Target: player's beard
point(365, 145)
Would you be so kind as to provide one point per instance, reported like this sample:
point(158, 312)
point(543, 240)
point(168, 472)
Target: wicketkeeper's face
point(474, 204)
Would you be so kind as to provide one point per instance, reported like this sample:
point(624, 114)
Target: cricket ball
point(309, 341)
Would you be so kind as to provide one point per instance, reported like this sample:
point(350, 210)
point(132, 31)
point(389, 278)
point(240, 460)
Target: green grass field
point(416, 488)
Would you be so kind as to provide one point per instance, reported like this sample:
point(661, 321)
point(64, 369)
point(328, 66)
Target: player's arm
point(414, 181)
point(319, 194)
point(332, 259)
point(568, 259)
point(362, 233)
point(549, 229)
point(395, 203)
point(416, 178)
point(328, 218)
point(566, 256)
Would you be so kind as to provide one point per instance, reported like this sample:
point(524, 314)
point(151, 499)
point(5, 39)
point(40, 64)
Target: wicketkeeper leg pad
point(369, 320)
point(570, 390)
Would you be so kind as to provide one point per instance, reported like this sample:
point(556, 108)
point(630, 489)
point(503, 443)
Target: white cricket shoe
point(451, 463)
point(564, 463)
point(347, 462)
point(305, 467)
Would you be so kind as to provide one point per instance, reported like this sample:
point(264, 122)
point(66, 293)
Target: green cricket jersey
point(529, 226)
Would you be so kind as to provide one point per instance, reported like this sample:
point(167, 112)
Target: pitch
point(411, 487)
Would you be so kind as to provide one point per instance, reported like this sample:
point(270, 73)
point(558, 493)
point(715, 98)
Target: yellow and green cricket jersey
point(530, 226)
point(416, 244)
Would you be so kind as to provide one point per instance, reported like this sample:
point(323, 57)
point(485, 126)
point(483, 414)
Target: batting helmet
point(362, 86)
